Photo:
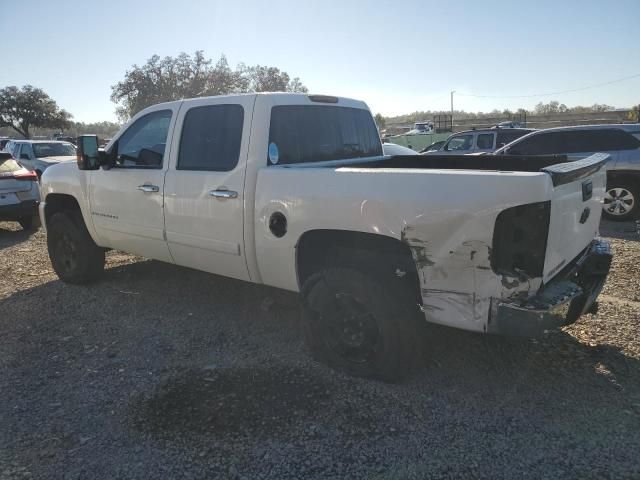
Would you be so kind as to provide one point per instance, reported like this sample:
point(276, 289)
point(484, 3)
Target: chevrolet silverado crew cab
point(294, 191)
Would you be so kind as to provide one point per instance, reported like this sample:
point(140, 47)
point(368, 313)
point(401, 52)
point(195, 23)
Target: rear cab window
point(211, 138)
point(318, 133)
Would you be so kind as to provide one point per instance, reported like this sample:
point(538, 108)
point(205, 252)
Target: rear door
point(204, 189)
point(576, 206)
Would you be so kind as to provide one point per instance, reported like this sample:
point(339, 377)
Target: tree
point(26, 107)
point(380, 120)
point(271, 79)
point(186, 76)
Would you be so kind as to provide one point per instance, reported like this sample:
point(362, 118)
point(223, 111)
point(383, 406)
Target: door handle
point(147, 188)
point(223, 194)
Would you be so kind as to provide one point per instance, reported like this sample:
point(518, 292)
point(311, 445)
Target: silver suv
point(620, 141)
point(484, 140)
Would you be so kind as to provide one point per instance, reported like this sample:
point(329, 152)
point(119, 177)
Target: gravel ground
point(164, 372)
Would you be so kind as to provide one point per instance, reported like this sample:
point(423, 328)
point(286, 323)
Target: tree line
point(540, 109)
point(30, 111)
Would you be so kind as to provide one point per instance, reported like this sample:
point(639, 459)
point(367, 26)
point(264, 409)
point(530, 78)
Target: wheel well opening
point(368, 252)
point(57, 202)
point(633, 177)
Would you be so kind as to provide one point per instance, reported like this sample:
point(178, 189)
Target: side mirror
point(87, 152)
point(24, 156)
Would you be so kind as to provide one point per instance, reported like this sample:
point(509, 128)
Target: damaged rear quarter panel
point(449, 236)
point(454, 269)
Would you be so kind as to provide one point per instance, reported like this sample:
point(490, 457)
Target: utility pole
point(452, 92)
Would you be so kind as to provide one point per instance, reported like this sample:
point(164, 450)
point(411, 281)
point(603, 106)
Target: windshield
point(53, 150)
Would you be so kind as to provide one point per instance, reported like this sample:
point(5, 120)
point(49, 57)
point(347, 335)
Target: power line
point(551, 93)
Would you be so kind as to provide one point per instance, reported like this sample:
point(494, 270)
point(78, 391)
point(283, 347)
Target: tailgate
point(576, 206)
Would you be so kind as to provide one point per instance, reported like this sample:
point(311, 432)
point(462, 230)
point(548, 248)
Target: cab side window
point(143, 144)
point(211, 138)
point(484, 141)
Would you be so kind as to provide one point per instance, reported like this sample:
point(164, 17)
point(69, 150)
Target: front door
point(204, 188)
point(126, 200)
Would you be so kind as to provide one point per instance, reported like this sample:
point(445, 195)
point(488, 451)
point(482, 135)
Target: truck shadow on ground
point(264, 385)
point(12, 234)
point(554, 375)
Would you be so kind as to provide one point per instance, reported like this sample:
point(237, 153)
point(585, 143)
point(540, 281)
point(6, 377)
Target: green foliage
point(27, 107)
point(540, 109)
point(380, 120)
point(186, 76)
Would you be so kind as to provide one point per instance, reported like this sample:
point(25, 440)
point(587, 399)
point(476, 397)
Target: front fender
point(65, 179)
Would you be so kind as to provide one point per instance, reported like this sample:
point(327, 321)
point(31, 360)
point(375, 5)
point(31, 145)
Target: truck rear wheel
point(74, 255)
point(359, 324)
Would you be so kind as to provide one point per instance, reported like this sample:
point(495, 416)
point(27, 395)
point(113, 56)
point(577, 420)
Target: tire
point(27, 223)
point(621, 201)
point(359, 324)
point(74, 255)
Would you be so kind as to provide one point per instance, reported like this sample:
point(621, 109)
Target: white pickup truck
point(294, 191)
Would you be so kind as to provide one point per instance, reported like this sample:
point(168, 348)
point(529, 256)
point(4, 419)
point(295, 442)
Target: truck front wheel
point(74, 255)
point(358, 323)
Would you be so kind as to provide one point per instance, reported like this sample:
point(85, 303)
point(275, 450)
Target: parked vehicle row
point(38, 155)
point(482, 140)
point(620, 142)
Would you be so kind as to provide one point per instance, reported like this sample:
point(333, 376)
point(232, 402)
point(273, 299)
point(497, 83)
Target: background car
point(38, 155)
point(393, 149)
point(19, 193)
point(477, 141)
point(434, 147)
point(620, 141)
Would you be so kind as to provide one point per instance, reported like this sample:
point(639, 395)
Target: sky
point(399, 57)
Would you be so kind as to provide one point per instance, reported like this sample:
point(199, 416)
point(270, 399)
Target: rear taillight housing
point(25, 175)
point(520, 239)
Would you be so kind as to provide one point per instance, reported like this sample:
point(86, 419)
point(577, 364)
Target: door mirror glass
point(87, 153)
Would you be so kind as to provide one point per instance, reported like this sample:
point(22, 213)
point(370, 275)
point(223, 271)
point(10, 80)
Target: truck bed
point(557, 166)
point(511, 163)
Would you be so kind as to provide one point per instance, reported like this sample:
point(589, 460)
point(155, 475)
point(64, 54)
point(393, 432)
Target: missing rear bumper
point(559, 303)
